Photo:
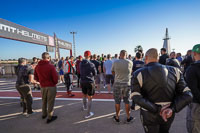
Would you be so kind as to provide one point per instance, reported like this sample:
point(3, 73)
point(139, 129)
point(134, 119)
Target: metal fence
point(7, 70)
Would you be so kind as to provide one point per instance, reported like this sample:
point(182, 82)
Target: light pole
point(74, 42)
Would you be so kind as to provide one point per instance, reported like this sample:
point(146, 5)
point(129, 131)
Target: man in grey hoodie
point(87, 72)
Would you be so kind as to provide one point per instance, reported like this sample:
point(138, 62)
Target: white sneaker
point(28, 115)
point(24, 113)
point(84, 108)
point(90, 115)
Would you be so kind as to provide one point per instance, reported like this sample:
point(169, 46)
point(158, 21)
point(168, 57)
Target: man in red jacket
point(80, 58)
point(46, 74)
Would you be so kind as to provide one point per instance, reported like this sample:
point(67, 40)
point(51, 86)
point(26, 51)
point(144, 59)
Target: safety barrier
point(7, 70)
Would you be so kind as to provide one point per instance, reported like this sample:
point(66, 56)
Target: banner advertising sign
point(17, 32)
point(49, 49)
point(64, 44)
point(51, 41)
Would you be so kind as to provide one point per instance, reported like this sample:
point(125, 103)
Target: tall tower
point(166, 43)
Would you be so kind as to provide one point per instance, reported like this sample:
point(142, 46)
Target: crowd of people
point(160, 85)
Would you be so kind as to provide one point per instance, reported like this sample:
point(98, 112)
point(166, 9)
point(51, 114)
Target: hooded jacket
point(193, 80)
point(46, 74)
point(87, 71)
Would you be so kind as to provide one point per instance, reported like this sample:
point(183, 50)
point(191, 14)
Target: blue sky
point(103, 26)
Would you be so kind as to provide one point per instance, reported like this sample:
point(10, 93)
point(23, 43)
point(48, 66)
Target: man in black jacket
point(87, 71)
point(187, 60)
point(25, 76)
point(97, 65)
point(161, 92)
point(163, 57)
point(193, 81)
point(172, 61)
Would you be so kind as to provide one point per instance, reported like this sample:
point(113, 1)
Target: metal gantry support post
point(74, 42)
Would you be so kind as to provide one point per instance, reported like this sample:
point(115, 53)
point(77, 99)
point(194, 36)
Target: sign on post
point(10, 30)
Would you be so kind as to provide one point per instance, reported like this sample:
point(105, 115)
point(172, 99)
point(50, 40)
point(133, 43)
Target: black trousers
point(153, 123)
point(26, 97)
point(78, 80)
point(68, 77)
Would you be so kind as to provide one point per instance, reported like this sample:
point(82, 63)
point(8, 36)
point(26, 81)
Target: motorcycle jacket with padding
point(156, 85)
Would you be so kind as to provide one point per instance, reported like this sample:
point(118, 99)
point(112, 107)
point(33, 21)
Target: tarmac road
point(71, 117)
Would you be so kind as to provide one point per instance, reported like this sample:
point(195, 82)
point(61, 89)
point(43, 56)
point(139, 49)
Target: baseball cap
point(87, 53)
point(196, 48)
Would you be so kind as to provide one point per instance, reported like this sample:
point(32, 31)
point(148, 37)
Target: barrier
point(7, 70)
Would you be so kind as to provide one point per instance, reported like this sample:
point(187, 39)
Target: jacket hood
point(43, 62)
point(85, 62)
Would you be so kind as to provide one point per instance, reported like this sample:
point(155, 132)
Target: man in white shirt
point(107, 70)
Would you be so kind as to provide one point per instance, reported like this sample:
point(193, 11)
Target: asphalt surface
point(71, 117)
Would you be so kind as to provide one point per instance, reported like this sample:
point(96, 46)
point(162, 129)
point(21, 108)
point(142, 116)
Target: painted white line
point(35, 98)
point(8, 103)
point(3, 119)
point(7, 87)
point(7, 83)
point(63, 99)
point(14, 90)
point(103, 92)
point(95, 118)
point(78, 99)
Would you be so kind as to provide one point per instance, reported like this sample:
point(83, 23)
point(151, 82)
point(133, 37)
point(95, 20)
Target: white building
point(166, 43)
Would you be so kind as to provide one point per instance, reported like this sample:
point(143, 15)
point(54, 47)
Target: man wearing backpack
point(68, 75)
point(24, 77)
